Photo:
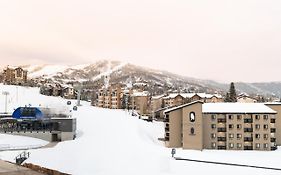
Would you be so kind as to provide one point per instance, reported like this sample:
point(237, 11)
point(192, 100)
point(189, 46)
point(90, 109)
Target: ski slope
point(113, 142)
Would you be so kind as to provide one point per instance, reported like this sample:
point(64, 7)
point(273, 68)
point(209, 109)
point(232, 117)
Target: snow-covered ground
point(113, 142)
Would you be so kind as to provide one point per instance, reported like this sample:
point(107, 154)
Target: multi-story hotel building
point(228, 126)
point(110, 97)
point(14, 76)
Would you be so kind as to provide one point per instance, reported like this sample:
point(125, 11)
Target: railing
point(248, 120)
point(221, 120)
point(248, 129)
point(221, 129)
point(248, 139)
point(221, 139)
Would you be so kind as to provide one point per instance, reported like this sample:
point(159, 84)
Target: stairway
point(22, 157)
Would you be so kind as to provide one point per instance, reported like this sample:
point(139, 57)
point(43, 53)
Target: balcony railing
point(221, 129)
point(248, 129)
point(221, 120)
point(248, 147)
point(248, 139)
point(221, 139)
point(248, 120)
point(221, 147)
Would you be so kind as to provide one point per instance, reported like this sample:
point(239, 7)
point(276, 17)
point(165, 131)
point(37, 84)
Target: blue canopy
point(28, 113)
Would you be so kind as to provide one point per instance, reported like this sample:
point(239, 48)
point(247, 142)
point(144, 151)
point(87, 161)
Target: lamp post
point(6, 102)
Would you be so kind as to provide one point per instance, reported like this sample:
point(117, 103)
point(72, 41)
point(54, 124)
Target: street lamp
point(6, 96)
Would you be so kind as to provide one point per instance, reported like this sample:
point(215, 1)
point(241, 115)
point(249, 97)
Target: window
point(265, 136)
point(239, 145)
point(230, 117)
point(213, 144)
point(231, 136)
point(213, 117)
point(257, 117)
point(213, 126)
point(231, 145)
point(192, 117)
point(230, 126)
point(239, 117)
point(239, 136)
point(265, 126)
point(258, 126)
point(192, 132)
point(265, 117)
point(239, 126)
point(265, 145)
point(213, 135)
point(258, 145)
point(258, 136)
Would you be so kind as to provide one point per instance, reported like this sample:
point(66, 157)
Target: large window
point(192, 117)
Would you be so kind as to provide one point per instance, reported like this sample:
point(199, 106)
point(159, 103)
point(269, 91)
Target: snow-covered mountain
point(158, 81)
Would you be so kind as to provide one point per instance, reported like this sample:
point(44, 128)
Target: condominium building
point(141, 102)
point(14, 76)
point(228, 126)
point(176, 99)
point(110, 97)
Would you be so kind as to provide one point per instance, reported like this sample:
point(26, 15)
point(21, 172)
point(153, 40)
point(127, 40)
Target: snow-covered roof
point(158, 97)
point(181, 106)
point(140, 94)
point(249, 108)
point(190, 95)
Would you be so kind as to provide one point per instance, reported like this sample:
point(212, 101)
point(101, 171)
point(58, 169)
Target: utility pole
point(6, 100)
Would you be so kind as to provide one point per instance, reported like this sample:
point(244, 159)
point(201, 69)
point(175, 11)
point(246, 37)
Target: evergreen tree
point(232, 93)
point(227, 99)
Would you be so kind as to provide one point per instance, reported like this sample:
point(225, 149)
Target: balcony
point(272, 139)
point(248, 139)
point(221, 139)
point(272, 120)
point(248, 147)
point(272, 130)
point(248, 120)
point(273, 148)
point(166, 120)
point(221, 129)
point(248, 129)
point(221, 120)
point(222, 147)
point(167, 129)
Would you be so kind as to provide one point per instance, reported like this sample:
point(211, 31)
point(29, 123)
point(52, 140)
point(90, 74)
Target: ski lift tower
point(78, 87)
point(6, 98)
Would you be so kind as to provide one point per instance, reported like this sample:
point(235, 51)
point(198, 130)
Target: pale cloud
point(224, 40)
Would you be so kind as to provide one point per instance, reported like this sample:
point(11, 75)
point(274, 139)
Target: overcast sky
point(222, 40)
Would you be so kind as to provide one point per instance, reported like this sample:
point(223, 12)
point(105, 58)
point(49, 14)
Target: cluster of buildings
point(14, 76)
point(118, 97)
point(224, 126)
point(57, 89)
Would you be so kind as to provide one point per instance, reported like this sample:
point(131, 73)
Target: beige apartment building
point(140, 101)
point(16, 76)
point(110, 97)
point(227, 126)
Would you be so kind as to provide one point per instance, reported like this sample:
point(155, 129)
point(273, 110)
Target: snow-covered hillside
point(113, 142)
